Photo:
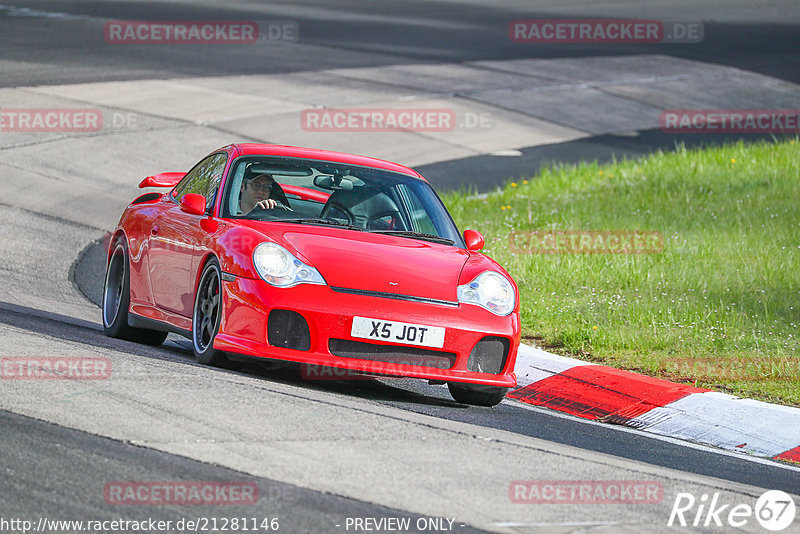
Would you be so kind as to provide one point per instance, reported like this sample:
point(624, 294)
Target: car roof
point(259, 149)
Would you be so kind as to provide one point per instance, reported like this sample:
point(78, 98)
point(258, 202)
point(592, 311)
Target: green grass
point(719, 306)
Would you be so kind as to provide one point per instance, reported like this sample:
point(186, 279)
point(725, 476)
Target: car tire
point(485, 396)
point(207, 315)
point(117, 299)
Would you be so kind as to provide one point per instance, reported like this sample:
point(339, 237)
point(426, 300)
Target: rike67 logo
point(774, 510)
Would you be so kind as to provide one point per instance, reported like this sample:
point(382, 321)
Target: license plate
point(397, 332)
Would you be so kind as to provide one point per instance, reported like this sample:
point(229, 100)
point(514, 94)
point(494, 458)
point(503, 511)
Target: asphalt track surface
point(55, 470)
point(757, 36)
point(50, 459)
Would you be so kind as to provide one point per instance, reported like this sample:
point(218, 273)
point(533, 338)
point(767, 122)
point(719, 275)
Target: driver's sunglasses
point(264, 187)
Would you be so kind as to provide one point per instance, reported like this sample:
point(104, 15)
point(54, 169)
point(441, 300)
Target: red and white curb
point(658, 406)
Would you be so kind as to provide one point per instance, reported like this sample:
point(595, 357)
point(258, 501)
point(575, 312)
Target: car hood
point(375, 262)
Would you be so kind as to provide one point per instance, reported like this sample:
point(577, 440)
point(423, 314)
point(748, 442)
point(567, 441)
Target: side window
point(420, 220)
point(203, 179)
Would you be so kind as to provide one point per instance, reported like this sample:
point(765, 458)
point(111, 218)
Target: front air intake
point(288, 329)
point(393, 354)
point(489, 355)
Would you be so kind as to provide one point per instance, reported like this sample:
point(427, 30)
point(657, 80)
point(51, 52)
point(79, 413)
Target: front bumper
point(329, 314)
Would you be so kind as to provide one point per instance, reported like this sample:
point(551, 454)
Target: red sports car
point(322, 258)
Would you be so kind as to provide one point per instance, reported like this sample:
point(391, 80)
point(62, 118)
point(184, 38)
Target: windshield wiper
point(320, 221)
point(416, 235)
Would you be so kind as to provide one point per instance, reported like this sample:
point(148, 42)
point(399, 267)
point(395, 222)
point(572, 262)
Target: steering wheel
point(279, 206)
point(385, 220)
point(336, 212)
point(257, 212)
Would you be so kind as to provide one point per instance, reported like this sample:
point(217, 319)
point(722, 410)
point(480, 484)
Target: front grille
point(394, 296)
point(413, 356)
point(488, 355)
point(288, 329)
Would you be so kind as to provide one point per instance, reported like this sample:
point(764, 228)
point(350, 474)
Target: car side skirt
point(152, 318)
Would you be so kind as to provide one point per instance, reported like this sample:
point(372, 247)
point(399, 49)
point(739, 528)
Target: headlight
point(489, 290)
point(279, 267)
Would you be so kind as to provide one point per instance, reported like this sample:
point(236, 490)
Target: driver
point(256, 194)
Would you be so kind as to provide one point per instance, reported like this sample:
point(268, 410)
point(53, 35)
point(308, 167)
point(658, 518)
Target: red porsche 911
point(316, 257)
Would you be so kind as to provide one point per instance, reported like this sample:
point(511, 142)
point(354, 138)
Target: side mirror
point(474, 240)
point(194, 204)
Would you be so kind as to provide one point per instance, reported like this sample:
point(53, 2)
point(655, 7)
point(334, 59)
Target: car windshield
point(354, 197)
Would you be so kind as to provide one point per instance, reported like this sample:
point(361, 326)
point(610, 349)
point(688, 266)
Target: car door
point(175, 238)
